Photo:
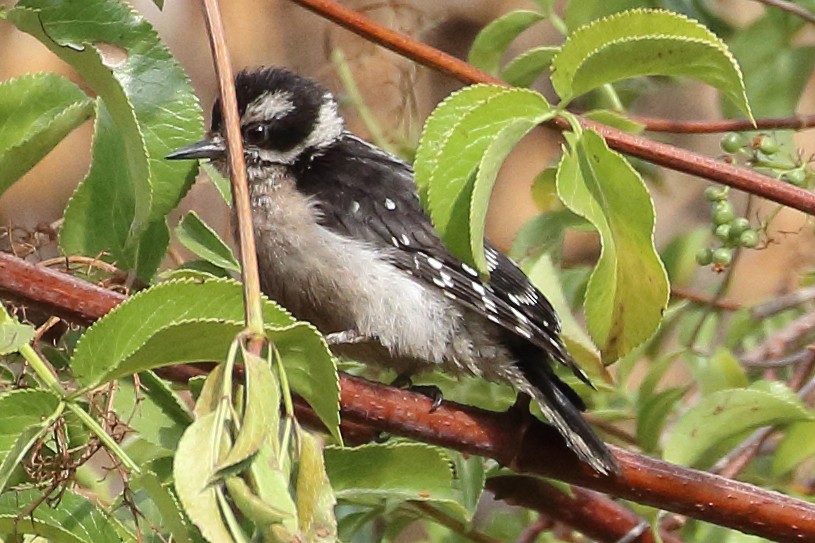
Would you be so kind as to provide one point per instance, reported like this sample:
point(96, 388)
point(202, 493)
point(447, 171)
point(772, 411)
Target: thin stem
point(455, 525)
point(288, 404)
point(790, 7)
point(237, 168)
point(356, 98)
point(42, 370)
point(224, 409)
point(782, 303)
point(613, 98)
point(704, 300)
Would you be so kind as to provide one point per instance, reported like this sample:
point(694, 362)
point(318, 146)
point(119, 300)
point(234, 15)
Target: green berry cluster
point(730, 230)
point(763, 152)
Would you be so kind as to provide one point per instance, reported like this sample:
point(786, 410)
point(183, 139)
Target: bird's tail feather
point(563, 412)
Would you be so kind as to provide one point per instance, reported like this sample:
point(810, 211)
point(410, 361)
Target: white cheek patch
point(328, 126)
point(269, 105)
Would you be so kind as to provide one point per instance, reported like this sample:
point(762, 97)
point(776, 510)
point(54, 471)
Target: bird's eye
point(256, 134)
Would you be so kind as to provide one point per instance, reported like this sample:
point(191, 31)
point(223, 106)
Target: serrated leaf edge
point(718, 45)
point(437, 112)
point(432, 187)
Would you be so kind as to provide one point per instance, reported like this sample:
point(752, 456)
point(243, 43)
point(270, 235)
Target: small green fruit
point(767, 145)
point(722, 256)
point(748, 238)
point(795, 177)
point(723, 212)
point(704, 257)
point(715, 194)
point(739, 225)
point(732, 142)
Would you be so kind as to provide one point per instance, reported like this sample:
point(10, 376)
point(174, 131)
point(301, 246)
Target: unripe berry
point(748, 238)
point(715, 194)
point(723, 212)
point(739, 225)
point(722, 232)
point(795, 177)
point(767, 144)
point(704, 257)
point(722, 256)
point(732, 142)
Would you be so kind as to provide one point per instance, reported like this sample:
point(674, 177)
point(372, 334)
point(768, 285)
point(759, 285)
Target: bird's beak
point(206, 148)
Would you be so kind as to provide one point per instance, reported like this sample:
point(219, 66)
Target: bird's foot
point(431, 391)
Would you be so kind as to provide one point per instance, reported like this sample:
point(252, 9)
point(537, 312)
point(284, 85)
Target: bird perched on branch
point(343, 242)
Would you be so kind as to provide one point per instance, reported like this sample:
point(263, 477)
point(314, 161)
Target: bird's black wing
point(364, 193)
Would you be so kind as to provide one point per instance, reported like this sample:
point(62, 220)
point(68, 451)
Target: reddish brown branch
point(657, 153)
point(593, 514)
point(795, 122)
point(512, 441)
point(704, 300)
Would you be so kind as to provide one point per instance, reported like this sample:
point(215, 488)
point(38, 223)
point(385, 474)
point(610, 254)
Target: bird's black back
point(367, 194)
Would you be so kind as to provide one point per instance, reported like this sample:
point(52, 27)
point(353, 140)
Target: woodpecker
point(344, 243)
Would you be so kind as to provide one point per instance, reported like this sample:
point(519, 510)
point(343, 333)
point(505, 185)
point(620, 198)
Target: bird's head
point(282, 116)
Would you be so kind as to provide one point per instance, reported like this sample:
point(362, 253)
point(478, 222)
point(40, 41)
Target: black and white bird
point(344, 243)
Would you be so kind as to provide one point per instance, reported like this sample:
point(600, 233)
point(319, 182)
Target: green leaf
point(628, 289)
point(38, 111)
point(271, 474)
point(147, 109)
point(315, 498)
point(220, 182)
point(126, 329)
point(74, 520)
point(312, 372)
point(470, 479)
point(719, 371)
point(405, 471)
point(651, 416)
point(544, 235)
point(258, 511)
point(491, 162)
point(798, 445)
point(438, 128)
point(153, 411)
point(170, 516)
point(472, 130)
point(13, 334)
point(775, 73)
point(193, 469)
point(198, 237)
point(187, 321)
point(27, 414)
point(546, 277)
point(200, 270)
point(491, 43)
point(615, 120)
point(261, 412)
point(728, 413)
point(645, 42)
point(579, 13)
point(524, 69)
